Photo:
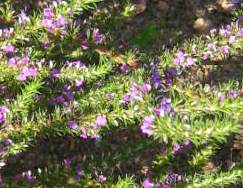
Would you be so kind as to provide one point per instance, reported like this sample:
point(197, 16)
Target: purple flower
point(168, 81)
point(241, 31)
point(9, 48)
point(171, 72)
point(3, 111)
point(49, 24)
point(145, 88)
point(224, 32)
point(48, 13)
point(84, 136)
point(173, 177)
point(79, 170)
point(46, 44)
point(69, 96)
point(31, 179)
point(155, 79)
point(147, 183)
point(111, 96)
point(187, 143)
point(55, 73)
point(224, 49)
point(1, 149)
point(7, 142)
point(165, 107)
point(67, 162)
point(102, 178)
point(97, 37)
point(124, 68)
point(163, 149)
point(176, 148)
point(133, 95)
point(72, 124)
point(77, 64)
point(60, 99)
point(147, 126)
point(126, 98)
point(232, 94)
point(85, 45)
point(100, 121)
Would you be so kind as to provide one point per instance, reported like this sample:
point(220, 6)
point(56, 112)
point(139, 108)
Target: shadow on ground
point(158, 27)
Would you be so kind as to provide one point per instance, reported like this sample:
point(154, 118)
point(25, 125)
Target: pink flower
point(9, 48)
point(12, 62)
point(23, 18)
point(224, 49)
point(147, 126)
point(27, 72)
point(6, 33)
point(232, 94)
point(49, 24)
point(189, 61)
point(60, 21)
point(179, 58)
point(205, 56)
point(100, 121)
point(79, 83)
point(69, 12)
point(147, 183)
point(48, 13)
point(21, 77)
point(146, 88)
point(212, 47)
point(102, 178)
point(67, 162)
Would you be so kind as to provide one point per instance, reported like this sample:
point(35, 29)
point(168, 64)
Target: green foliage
point(79, 79)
